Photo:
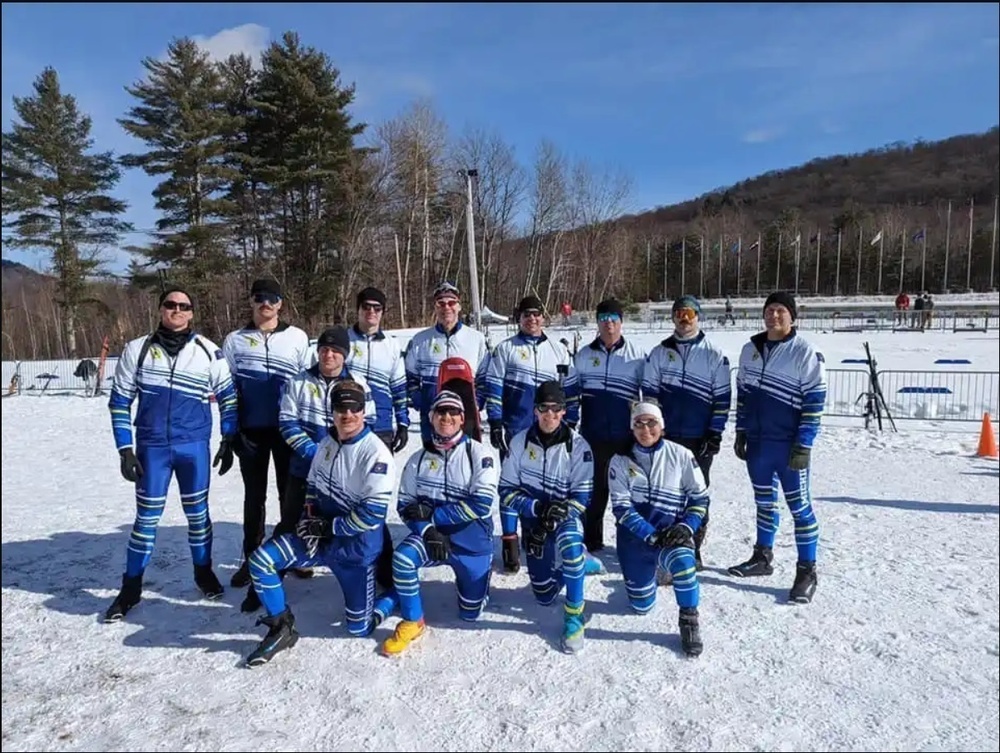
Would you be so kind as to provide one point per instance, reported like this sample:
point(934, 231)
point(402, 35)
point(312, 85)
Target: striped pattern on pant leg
point(679, 562)
point(796, 488)
point(268, 560)
point(407, 560)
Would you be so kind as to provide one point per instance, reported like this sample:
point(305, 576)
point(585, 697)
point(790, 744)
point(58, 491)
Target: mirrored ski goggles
point(550, 408)
point(686, 314)
point(603, 318)
point(645, 423)
point(269, 298)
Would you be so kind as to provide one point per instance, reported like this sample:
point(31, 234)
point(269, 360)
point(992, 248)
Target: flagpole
point(902, 264)
point(759, 244)
point(649, 293)
point(739, 262)
point(701, 269)
point(819, 242)
point(947, 249)
point(968, 263)
point(993, 244)
point(777, 264)
point(666, 257)
point(881, 246)
point(923, 261)
point(683, 262)
point(721, 241)
point(836, 283)
point(861, 240)
point(798, 253)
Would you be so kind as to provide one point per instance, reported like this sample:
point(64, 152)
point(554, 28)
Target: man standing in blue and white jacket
point(609, 371)
point(428, 348)
point(780, 394)
point(171, 373)
point(376, 355)
point(263, 356)
point(689, 377)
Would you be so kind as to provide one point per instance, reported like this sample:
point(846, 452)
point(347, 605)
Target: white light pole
point(470, 232)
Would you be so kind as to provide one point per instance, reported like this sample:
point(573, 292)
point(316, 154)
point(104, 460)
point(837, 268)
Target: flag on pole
point(876, 239)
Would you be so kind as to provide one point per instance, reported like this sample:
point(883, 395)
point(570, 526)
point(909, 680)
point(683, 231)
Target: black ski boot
point(128, 597)
point(280, 636)
point(241, 578)
point(252, 601)
point(207, 581)
point(690, 635)
point(805, 583)
point(758, 564)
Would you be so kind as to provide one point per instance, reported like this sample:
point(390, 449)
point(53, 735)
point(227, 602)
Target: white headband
point(647, 409)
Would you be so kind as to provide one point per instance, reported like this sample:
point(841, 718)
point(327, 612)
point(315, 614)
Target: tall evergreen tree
point(181, 117)
point(305, 138)
point(55, 192)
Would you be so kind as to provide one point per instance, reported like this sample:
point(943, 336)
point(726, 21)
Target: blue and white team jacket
point(517, 366)
point(609, 383)
point(262, 363)
point(379, 359)
point(780, 390)
point(652, 488)
point(173, 393)
point(532, 473)
point(351, 484)
point(690, 379)
point(305, 417)
point(424, 355)
point(461, 486)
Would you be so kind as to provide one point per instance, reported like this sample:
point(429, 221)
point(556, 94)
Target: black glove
point(799, 459)
point(131, 470)
point(511, 553)
point(437, 544)
point(535, 544)
point(314, 530)
point(710, 445)
point(400, 439)
point(679, 534)
point(416, 511)
point(740, 447)
point(551, 514)
point(497, 437)
point(242, 446)
point(224, 457)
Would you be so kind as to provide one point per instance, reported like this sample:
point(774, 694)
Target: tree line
point(263, 171)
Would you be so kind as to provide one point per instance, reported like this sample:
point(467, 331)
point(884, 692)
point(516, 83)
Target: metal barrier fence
point(918, 395)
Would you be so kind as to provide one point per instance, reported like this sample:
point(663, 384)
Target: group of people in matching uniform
point(570, 433)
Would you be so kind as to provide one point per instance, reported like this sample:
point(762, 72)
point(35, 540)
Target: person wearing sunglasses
point(446, 498)
point(659, 499)
point(688, 375)
point(263, 355)
point(517, 366)
point(546, 481)
point(780, 395)
point(609, 371)
point(170, 374)
point(376, 354)
point(305, 419)
point(350, 486)
point(429, 348)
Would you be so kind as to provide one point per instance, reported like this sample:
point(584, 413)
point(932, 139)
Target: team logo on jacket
point(523, 352)
point(596, 361)
point(487, 462)
point(156, 353)
point(756, 356)
point(314, 390)
point(433, 464)
point(381, 468)
point(671, 356)
point(252, 341)
point(435, 348)
point(218, 355)
point(357, 351)
point(632, 472)
point(532, 455)
point(588, 456)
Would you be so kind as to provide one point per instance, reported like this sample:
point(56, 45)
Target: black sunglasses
point(550, 407)
point(448, 411)
point(266, 298)
point(376, 307)
point(347, 409)
point(177, 306)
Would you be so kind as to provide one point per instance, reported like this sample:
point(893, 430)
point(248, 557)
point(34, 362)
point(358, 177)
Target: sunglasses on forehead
point(177, 306)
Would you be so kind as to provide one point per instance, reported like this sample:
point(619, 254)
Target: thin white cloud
point(761, 135)
point(249, 39)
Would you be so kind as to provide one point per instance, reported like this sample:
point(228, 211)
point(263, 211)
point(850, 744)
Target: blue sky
point(683, 98)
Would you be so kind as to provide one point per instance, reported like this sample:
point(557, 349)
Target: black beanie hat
point(530, 303)
point(175, 289)
point(610, 306)
point(371, 294)
point(550, 392)
point(785, 299)
point(336, 338)
point(265, 285)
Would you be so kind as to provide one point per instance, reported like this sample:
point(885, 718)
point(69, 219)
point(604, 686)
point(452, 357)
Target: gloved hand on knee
point(131, 470)
point(417, 511)
point(511, 550)
point(535, 543)
point(679, 534)
point(740, 446)
point(799, 459)
point(437, 544)
point(313, 531)
point(550, 514)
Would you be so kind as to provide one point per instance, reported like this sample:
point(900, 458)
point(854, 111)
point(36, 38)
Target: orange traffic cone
point(987, 439)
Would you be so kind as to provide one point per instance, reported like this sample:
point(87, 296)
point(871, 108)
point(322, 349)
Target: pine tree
point(181, 117)
point(305, 141)
point(55, 193)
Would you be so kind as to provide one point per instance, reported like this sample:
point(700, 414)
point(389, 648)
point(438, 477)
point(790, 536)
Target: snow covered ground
point(898, 651)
